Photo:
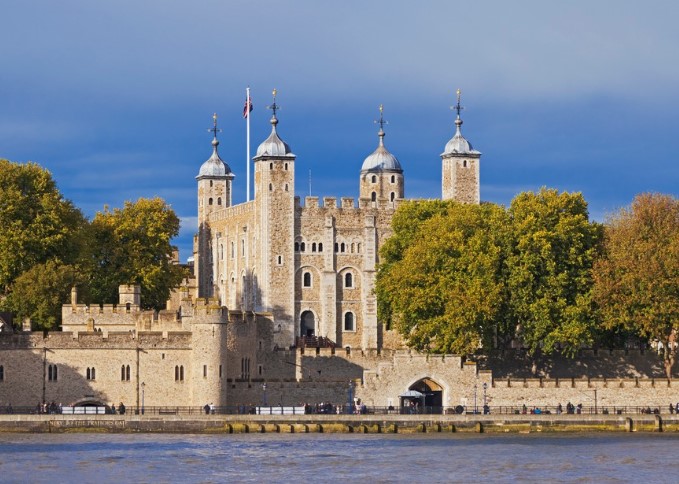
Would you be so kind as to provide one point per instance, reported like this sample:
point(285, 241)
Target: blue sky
point(115, 98)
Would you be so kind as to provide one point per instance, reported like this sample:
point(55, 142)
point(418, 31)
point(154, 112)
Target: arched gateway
point(432, 395)
point(307, 324)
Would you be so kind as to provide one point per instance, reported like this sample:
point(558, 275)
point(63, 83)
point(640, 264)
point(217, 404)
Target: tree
point(40, 292)
point(38, 224)
point(636, 282)
point(549, 270)
point(132, 246)
point(443, 277)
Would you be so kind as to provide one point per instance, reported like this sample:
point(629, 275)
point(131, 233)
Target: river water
point(431, 458)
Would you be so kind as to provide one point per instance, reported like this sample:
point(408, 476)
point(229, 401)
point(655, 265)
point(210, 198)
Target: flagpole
point(247, 161)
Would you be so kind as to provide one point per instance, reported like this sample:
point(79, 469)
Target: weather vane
point(457, 107)
point(274, 107)
point(381, 122)
point(214, 130)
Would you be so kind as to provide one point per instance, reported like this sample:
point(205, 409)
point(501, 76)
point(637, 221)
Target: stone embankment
point(339, 423)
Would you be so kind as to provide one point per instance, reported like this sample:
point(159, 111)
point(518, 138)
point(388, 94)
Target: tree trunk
point(669, 355)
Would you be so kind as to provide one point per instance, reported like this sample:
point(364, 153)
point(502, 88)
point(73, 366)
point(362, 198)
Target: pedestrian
point(207, 409)
point(671, 409)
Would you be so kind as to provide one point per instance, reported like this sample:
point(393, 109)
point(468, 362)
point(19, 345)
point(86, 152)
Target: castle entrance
point(432, 399)
point(307, 324)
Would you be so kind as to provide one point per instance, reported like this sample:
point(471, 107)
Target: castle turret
point(460, 179)
point(381, 173)
point(214, 193)
point(272, 282)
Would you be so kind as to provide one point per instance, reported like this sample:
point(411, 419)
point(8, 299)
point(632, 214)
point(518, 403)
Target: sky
point(115, 98)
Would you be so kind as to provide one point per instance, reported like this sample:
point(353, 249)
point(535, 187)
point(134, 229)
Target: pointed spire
point(214, 130)
point(458, 108)
point(274, 107)
point(381, 122)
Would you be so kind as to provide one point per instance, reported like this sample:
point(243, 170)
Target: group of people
point(51, 408)
point(209, 408)
point(120, 410)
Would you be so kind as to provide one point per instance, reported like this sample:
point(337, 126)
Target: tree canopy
point(637, 279)
point(454, 278)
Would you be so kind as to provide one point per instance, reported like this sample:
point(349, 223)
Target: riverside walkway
point(210, 424)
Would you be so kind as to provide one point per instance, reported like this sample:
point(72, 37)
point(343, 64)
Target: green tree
point(637, 279)
point(443, 279)
point(132, 246)
point(550, 270)
point(38, 224)
point(40, 292)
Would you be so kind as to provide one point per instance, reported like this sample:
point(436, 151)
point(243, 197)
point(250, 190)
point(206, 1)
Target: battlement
point(233, 211)
point(38, 340)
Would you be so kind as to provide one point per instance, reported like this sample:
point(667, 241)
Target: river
point(431, 458)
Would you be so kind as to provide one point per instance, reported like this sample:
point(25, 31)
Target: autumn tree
point(637, 279)
point(442, 275)
point(38, 224)
point(132, 246)
point(549, 270)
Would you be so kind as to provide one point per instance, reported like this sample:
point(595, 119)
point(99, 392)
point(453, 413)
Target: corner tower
point(381, 174)
point(274, 281)
point(214, 193)
point(460, 179)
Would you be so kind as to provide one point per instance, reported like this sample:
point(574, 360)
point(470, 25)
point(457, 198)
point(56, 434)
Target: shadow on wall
point(34, 372)
point(588, 363)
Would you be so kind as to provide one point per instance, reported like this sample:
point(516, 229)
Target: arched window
point(392, 196)
point(348, 280)
point(342, 247)
point(336, 247)
point(176, 373)
point(286, 167)
point(296, 246)
point(302, 247)
point(373, 196)
point(313, 247)
point(209, 202)
point(2, 373)
point(210, 182)
point(127, 307)
point(374, 179)
point(307, 279)
point(219, 200)
point(270, 187)
point(232, 249)
point(122, 373)
point(320, 247)
point(349, 321)
point(181, 372)
point(358, 247)
point(393, 179)
point(52, 373)
point(270, 166)
point(91, 374)
point(353, 247)
point(286, 187)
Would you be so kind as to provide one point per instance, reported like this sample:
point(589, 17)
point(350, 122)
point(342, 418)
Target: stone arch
point(433, 394)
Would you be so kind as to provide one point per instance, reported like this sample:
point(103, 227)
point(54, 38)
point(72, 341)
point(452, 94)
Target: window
point(348, 280)
point(286, 167)
point(204, 371)
point(353, 247)
point(2, 373)
point(349, 321)
point(286, 187)
point(302, 247)
point(219, 200)
point(374, 179)
point(209, 202)
point(245, 368)
point(336, 247)
point(373, 196)
point(125, 373)
point(342, 247)
point(242, 247)
point(270, 187)
point(221, 251)
point(260, 370)
point(393, 179)
point(52, 373)
point(464, 164)
point(313, 247)
point(210, 182)
point(307, 279)
point(393, 195)
point(232, 249)
point(280, 260)
point(91, 374)
point(270, 166)
point(296, 246)
point(320, 247)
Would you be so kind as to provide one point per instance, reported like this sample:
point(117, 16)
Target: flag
point(248, 107)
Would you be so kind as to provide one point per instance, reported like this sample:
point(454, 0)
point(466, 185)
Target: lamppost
point(485, 405)
point(475, 406)
point(143, 386)
point(264, 394)
point(351, 396)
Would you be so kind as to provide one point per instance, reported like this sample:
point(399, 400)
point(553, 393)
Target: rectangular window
point(204, 371)
point(220, 371)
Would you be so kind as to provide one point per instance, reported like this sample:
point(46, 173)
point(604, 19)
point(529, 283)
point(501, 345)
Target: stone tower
point(460, 178)
point(214, 193)
point(381, 174)
point(273, 281)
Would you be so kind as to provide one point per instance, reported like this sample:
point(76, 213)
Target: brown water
point(123, 458)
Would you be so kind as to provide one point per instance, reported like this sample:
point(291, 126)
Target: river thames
point(159, 458)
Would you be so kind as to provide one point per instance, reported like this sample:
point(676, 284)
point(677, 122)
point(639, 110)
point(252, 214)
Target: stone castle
point(281, 309)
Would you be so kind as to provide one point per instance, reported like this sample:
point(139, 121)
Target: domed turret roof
point(381, 159)
point(274, 145)
point(214, 166)
point(458, 145)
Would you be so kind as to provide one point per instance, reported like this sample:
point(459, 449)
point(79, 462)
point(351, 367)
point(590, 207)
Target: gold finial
point(381, 109)
point(459, 91)
point(275, 91)
point(214, 118)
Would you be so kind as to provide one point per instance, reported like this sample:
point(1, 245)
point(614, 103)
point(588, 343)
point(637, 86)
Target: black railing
point(345, 409)
point(315, 342)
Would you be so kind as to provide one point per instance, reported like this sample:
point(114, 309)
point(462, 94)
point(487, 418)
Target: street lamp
point(351, 396)
point(143, 386)
point(264, 394)
point(475, 406)
point(485, 405)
